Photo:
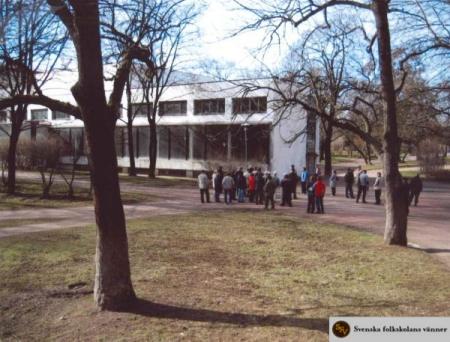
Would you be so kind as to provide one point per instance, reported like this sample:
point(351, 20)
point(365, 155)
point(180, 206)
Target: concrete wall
point(283, 151)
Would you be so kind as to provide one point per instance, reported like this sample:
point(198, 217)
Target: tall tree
point(276, 15)
point(319, 63)
point(162, 26)
point(31, 42)
point(113, 288)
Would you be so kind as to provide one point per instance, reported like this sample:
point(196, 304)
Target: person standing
point(333, 182)
point(416, 187)
point(228, 186)
point(311, 200)
point(319, 194)
point(269, 192)
point(358, 181)
point(259, 185)
point(377, 188)
point(218, 184)
point(286, 191)
point(203, 185)
point(276, 180)
point(294, 180)
point(304, 177)
point(251, 186)
point(241, 185)
point(362, 186)
point(318, 171)
point(349, 179)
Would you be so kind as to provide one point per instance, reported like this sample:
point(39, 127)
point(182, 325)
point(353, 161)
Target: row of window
point(212, 142)
point(39, 115)
point(245, 105)
point(42, 115)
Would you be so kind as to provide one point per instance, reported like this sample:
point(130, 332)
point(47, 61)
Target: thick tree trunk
point(113, 288)
point(322, 150)
point(130, 115)
point(369, 154)
point(327, 150)
point(152, 149)
point(12, 153)
point(132, 168)
point(396, 206)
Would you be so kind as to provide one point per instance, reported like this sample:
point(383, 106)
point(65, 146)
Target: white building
point(201, 125)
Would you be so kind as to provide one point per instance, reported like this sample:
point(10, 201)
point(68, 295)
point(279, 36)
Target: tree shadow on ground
point(430, 250)
point(436, 250)
point(151, 309)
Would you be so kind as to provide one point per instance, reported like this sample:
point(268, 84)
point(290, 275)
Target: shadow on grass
point(150, 309)
point(436, 250)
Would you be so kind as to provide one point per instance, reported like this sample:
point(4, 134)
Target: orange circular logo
point(341, 329)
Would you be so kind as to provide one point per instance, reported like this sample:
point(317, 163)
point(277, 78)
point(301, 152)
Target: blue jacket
point(304, 176)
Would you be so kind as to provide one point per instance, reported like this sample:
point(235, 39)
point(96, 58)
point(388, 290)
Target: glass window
point(118, 139)
point(163, 142)
point(140, 109)
point(172, 108)
point(217, 142)
point(258, 143)
point(143, 139)
point(199, 141)
point(248, 105)
point(57, 115)
point(39, 114)
point(237, 142)
point(211, 106)
point(78, 139)
point(3, 116)
point(179, 146)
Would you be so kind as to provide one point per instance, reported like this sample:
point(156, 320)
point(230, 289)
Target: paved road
point(428, 226)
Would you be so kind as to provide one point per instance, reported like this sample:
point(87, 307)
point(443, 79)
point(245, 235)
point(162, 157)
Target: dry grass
point(28, 195)
point(216, 276)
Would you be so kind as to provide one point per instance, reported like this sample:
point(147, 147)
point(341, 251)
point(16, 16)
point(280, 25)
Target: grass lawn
point(215, 276)
point(28, 195)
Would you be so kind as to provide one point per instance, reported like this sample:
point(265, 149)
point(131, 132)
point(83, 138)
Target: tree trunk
point(327, 150)
point(152, 149)
point(113, 288)
point(132, 169)
point(369, 154)
point(12, 152)
point(396, 206)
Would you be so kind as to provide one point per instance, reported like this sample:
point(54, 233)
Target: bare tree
point(162, 27)
point(296, 13)
point(113, 288)
point(31, 42)
point(319, 64)
point(42, 155)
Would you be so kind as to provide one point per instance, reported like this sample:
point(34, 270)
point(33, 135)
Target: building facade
point(200, 125)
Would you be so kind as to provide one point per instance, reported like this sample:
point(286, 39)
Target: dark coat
point(259, 181)
point(286, 185)
point(349, 177)
point(241, 182)
point(218, 182)
point(416, 185)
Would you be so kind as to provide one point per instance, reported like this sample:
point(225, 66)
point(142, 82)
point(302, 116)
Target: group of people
point(362, 183)
point(260, 187)
point(412, 188)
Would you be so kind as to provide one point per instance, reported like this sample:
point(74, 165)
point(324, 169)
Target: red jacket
point(251, 182)
point(319, 189)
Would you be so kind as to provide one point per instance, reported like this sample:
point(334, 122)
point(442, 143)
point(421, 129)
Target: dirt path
point(428, 228)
